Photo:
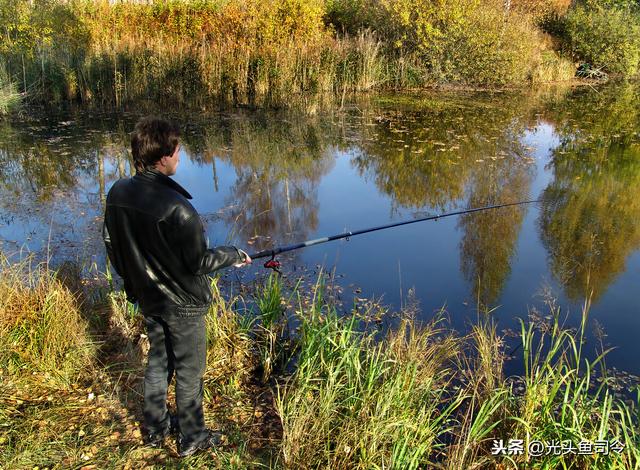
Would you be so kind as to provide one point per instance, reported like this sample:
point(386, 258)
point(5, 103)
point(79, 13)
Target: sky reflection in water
point(261, 179)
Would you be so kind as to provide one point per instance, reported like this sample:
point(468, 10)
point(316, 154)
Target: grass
point(370, 404)
point(10, 99)
point(337, 393)
point(42, 329)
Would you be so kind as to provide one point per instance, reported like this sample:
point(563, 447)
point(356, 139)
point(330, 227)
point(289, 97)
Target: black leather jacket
point(156, 243)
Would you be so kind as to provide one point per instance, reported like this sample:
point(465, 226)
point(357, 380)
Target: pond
point(262, 179)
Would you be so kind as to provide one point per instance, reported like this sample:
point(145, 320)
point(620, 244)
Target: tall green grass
point(554, 401)
point(272, 324)
point(229, 345)
point(358, 403)
point(424, 397)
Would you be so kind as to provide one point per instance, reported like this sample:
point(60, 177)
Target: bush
point(607, 38)
point(265, 53)
point(460, 41)
point(488, 49)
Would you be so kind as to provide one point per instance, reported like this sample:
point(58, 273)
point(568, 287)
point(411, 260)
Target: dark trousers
point(178, 345)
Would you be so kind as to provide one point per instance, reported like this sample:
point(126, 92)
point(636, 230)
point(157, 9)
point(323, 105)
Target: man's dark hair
point(152, 139)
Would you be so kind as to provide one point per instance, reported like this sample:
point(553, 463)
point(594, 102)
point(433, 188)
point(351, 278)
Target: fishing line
point(275, 265)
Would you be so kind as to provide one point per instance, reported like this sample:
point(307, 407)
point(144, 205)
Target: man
point(155, 241)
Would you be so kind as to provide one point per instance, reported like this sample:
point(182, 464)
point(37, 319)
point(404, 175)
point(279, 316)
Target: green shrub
point(606, 38)
point(488, 49)
point(461, 41)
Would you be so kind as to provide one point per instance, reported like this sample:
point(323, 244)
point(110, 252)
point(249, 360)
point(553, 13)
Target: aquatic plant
point(423, 397)
point(368, 404)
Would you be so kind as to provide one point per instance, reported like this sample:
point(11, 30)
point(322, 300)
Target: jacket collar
point(154, 176)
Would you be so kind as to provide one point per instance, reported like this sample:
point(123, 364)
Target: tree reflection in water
point(589, 219)
point(464, 152)
point(489, 238)
point(279, 164)
point(425, 153)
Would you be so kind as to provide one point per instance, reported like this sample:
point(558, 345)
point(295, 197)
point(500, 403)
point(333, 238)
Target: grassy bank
point(278, 52)
point(295, 385)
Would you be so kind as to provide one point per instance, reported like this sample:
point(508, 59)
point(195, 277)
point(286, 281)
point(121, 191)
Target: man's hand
point(246, 259)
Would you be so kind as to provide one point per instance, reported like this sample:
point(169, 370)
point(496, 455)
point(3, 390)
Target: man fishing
point(155, 240)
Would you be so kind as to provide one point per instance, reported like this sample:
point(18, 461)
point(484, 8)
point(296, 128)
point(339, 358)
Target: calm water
point(263, 179)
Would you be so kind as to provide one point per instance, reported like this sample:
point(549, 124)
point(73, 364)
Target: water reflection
point(279, 164)
point(458, 151)
point(490, 237)
point(425, 152)
point(589, 220)
point(52, 182)
point(420, 154)
point(39, 159)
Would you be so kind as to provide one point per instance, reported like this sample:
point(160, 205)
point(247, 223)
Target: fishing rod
point(275, 265)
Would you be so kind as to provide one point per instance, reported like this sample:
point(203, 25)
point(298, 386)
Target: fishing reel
point(274, 264)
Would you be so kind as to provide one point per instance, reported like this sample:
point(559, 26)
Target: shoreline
point(260, 403)
point(308, 104)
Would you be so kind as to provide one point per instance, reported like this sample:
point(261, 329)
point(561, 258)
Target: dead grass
point(71, 373)
point(42, 328)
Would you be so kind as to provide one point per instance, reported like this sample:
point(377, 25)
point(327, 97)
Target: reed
point(229, 345)
point(357, 403)
point(424, 397)
point(555, 400)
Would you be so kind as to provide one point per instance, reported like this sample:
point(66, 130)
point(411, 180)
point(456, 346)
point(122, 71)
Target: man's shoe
point(213, 439)
point(156, 439)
